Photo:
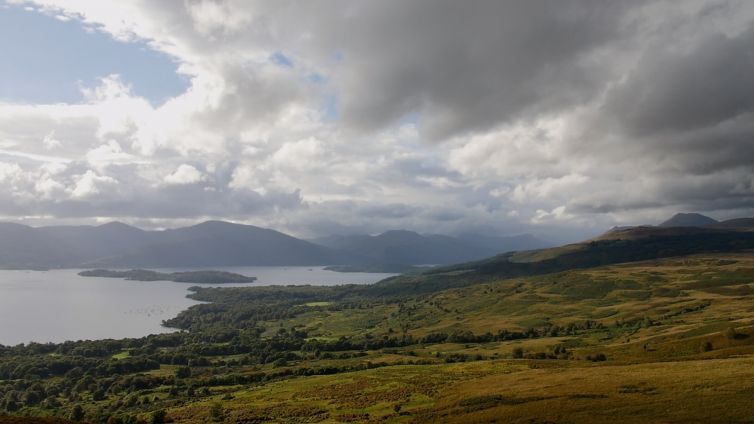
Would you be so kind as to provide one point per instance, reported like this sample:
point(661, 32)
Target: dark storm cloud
point(674, 91)
point(469, 66)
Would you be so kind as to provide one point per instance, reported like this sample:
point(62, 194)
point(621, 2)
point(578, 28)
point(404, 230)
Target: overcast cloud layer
point(557, 117)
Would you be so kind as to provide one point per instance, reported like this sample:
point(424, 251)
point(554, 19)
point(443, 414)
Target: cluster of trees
point(75, 386)
point(644, 322)
point(465, 336)
point(41, 367)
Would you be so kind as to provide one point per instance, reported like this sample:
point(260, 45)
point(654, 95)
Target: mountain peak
point(399, 233)
point(118, 224)
point(688, 220)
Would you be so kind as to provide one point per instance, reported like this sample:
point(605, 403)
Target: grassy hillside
point(618, 342)
point(520, 391)
point(616, 246)
point(674, 331)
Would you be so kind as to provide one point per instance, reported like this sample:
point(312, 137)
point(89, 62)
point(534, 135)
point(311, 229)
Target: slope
point(688, 220)
point(615, 246)
point(410, 248)
point(216, 243)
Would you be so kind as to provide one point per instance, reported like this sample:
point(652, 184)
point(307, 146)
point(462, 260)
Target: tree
point(99, 394)
point(216, 412)
point(518, 353)
point(183, 372)
point(597, 358)
point(158, 416)
point(77, 413)
point(11, 406)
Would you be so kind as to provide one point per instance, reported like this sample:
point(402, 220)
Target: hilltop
point(688, 220)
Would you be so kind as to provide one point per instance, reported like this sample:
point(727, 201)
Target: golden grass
point(718, 390)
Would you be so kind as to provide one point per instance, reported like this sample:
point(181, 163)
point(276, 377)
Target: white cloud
point(107, 154)
point(90, 185)
point(9, 172)
point(556, 214)
point(50, 142)
point(185, 174)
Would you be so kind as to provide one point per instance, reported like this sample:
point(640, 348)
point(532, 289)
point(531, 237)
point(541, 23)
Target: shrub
point(158, 416)
point(216, 412)
point(183, 372)
point(77, 413)
point(597, 358)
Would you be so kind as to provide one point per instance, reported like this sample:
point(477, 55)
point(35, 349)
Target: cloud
point(437, 116)
point(185, 174)
point(50, 142)
point(90, 185)
point(9, 172)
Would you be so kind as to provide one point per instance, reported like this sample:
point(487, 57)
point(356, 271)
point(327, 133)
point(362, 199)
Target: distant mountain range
point(619, 245)
point(115, 245)
point(688, 220)
point(410, 248)
point(699, 220)
point(217, 243)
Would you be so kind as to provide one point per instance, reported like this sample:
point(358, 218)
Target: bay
point(59, 305)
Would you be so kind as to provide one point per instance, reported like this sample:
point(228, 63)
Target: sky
point(557, 118)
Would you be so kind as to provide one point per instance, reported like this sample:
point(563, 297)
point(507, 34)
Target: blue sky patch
point(46, 60)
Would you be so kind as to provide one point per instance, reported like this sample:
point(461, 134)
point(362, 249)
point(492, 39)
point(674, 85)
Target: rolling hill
point(628, 244)
point(688, 220)
point(211, 243)
point(216, 243)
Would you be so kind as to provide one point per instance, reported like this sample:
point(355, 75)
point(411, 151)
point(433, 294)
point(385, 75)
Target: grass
point(317, 304)
point(619, 292)
point(520, 391)
point(122, 355)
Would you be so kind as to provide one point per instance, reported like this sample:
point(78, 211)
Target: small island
point(193, 277)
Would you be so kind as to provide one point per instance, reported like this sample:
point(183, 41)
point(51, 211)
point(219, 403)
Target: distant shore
point(193, 277)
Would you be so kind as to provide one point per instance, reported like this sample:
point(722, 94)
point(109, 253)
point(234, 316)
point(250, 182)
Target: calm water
point(58, 305)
